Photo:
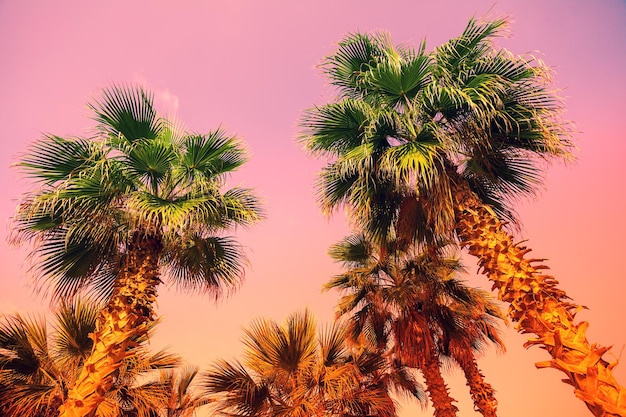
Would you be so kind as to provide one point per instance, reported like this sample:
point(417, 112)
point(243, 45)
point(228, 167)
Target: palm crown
point(407, 124)
point(38, 364)
point(141, 175)
point(410, 306)
point(290, 369)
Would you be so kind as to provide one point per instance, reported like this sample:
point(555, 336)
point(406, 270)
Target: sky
point(251, 67)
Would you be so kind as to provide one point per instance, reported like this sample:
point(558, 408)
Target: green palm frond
point(512, 68)
point(127, 112)
point(355, 56)
point(206, 264)
point(334, 187)
point(352, 250)
point(241, 207)
point(213, 154)
point(55, 159)
point(399, 81)
point(409, 125)
point(458, 53)
point(151, 161)
point(414, 162)
point(337, 127)
point(140, 174)
point(172, 213)
point(66, 260)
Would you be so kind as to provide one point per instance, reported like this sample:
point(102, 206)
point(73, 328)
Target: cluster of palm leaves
point(429, 152)
point(292, 370)
point(39, 363)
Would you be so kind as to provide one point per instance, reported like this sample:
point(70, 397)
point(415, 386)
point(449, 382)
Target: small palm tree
point(411, 306)
point(37, 366)
point(289, 370)
point(112, 211)
point(431, 147)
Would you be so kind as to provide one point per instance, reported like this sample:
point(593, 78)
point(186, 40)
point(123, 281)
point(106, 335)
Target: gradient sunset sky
point(250, 67)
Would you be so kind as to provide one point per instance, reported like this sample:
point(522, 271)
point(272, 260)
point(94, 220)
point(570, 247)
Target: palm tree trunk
point(537, 305)
point(125, 317)
point(482, 392)
point(437, 388)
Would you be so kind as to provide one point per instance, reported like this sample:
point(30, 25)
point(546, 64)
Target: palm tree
point(37, 366)
point(438, 146)
point(290, 370)
point(410, 305)
point(111, 212)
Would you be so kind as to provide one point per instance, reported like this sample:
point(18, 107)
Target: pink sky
point(250, 67)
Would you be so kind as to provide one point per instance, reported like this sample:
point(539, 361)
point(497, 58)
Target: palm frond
point(213, 154)
point(352, 250)
point(356, 54)
point(127, 112)
point(473, 42)
point(54, 158)
point(205, 264)
point(75, 320)
point(151, 161)
point(338, 127)
point(397, 82)
point(238, 393)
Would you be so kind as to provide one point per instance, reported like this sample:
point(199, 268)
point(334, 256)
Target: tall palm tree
point(411, 305)
point(437, 146)
point(38, 365)
point(290, 370)
point(114, 210)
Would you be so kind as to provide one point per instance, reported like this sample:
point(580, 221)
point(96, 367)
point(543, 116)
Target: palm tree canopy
point(408, 123)
point(290, 369)
point(140, 174)
point(39, 362)
point(411, 301)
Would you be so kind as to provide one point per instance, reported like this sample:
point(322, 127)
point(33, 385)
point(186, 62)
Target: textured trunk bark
point(126, 316)
point(437, 389)
point(538, 306)
point(482, 392)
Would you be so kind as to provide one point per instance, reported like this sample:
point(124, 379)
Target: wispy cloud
point(166, 102)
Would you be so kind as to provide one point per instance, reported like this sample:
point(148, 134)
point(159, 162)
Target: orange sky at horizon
point(250, 67)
